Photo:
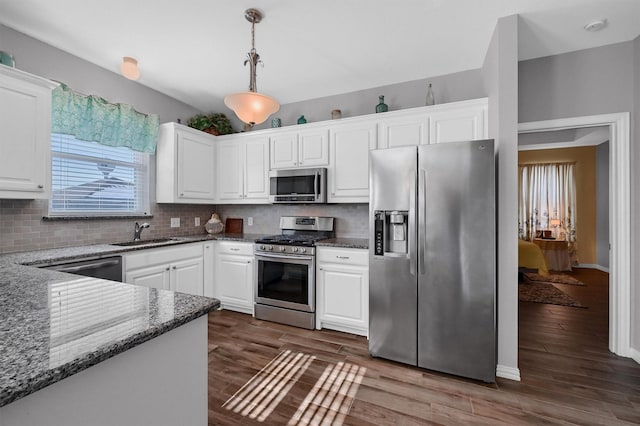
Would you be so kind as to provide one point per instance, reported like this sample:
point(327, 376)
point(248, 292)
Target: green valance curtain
point(91, 118)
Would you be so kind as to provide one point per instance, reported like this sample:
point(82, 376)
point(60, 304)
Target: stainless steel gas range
point(285, 271)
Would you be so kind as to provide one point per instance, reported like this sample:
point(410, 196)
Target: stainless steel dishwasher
point(108, 268)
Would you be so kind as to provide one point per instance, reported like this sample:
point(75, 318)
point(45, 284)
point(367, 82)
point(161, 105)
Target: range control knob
point(261, 247)
point(282, 249)
point(303, 250)
point(295, 249)
point(270, 248)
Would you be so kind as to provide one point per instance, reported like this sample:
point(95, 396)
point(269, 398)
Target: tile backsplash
point(22, 227)
point(351, 219)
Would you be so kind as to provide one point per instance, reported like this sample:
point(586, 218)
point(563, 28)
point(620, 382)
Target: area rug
point(552, 278)
point(546, 293)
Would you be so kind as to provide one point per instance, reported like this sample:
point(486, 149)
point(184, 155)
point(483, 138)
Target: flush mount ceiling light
point(252, 107)
point(129, 68)
point(595, 25)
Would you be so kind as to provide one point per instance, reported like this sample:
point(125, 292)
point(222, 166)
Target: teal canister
point(302, 120)
point(7, 59)
point(276, 122)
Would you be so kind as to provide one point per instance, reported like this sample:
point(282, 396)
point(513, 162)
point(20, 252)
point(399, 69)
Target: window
point(90, 179)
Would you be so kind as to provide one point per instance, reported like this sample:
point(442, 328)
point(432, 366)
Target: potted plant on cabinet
point(215, 124)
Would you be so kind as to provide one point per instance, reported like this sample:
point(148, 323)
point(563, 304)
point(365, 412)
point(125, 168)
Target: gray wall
point(42, 59)
point(459, 86)
point(594, 81)
point(602, 205)
point(500, 72)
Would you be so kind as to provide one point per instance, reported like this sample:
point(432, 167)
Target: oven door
point(286, 281)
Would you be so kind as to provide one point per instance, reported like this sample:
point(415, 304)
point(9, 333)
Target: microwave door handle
point(316, 185)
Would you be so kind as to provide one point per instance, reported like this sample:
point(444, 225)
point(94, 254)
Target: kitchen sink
point(146, 242)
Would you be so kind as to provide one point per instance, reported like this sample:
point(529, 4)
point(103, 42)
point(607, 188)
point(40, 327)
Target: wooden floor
point(568, 376)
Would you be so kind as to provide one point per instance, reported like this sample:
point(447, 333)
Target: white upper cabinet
point(402, 128)
point(185, 162)
point(459, 121)
point(25, 146)
point(303, 148)
point(348, 177)
point(242, 170)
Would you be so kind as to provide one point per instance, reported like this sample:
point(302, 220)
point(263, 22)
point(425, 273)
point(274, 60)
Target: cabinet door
point(313, 148)
point(343, 298)
point(349, 170)
point(458, 123)
point(187, 276)
point(229, 185)
point(234, 282)
point(284, 150)
point(403, 130)
point(25, 120)
point(256, 170)
point(157, 276)
point(208, 267)
point(195, 168)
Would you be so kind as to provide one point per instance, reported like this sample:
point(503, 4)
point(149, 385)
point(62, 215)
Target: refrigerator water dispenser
point(390, 232)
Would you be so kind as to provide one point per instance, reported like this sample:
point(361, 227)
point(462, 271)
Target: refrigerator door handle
point(422, 226)
point(412, 227)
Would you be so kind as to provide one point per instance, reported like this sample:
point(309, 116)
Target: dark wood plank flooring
point(568, 375)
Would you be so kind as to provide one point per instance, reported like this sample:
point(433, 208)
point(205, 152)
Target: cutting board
point(233, 226)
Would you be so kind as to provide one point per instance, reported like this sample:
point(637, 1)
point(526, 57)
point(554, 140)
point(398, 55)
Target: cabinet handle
point(40, 186)
point(320, 269)
point(234, 249)
point(342, 257)
point(175, 267)
point(248, 261)
point(167, 268)
point(301, 163)
point(182, 194)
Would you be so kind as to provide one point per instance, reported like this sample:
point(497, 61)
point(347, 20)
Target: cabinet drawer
point(343, 255)
point(234, 247)
point(165, 255)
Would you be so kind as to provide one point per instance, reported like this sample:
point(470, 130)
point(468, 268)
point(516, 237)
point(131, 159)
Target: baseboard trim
point(635, 355)
point(510, 373)
point(593, 266)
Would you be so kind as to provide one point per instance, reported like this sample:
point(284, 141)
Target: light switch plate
point(250, 221)
point(175, 222)
point(196, 221)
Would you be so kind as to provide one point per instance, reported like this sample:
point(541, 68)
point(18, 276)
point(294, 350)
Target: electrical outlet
point(196, 221)
point(250, 221)
point(175, 222)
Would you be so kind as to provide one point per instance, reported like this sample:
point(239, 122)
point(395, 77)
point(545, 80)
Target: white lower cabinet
point(342, 289)
point(233, 272)
point(177, 268)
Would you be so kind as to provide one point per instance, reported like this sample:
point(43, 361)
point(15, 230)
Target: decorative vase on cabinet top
point(381, 107)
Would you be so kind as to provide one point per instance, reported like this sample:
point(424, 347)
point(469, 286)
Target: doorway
point(619, 216)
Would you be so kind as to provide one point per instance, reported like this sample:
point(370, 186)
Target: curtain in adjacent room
point(91, 118)
point(547, 201)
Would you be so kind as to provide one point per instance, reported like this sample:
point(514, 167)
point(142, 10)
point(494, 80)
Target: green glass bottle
point(302, 120)
point(381, 107)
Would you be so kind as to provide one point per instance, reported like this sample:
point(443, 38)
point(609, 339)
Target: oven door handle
point(281, 256)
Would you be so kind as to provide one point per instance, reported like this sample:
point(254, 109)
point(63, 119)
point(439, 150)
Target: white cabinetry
point(348, 174)
point(242, 170)
point(185, 161)
point(25, 146)
point(304, 148)
point(233, 283)
point(176, 268)
point(342, 290)
point(459, 121)
point(402, 128)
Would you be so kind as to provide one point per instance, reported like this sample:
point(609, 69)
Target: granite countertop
point(53, 324)
point(357, 243)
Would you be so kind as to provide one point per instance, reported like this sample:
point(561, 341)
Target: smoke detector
point(595, 25)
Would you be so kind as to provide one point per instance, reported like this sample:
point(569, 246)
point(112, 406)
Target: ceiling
point(193, 50)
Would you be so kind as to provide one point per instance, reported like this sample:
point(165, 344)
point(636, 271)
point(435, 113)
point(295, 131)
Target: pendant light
point(252, 107)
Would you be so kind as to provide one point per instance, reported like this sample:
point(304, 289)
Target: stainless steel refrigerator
point(432, 256)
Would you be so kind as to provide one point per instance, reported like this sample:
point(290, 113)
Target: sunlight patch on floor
point(328, 402)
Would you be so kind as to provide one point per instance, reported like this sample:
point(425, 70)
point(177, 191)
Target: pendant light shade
point(252, 107)
point(129, 68)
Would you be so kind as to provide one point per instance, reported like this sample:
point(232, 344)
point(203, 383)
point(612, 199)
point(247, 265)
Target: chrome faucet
point(137, 230)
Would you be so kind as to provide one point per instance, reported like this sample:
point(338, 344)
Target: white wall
point(500, 72)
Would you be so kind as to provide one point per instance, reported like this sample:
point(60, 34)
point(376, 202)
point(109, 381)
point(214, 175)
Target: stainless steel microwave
point(298, 186)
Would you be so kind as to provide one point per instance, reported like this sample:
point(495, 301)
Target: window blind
point(91, 179)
